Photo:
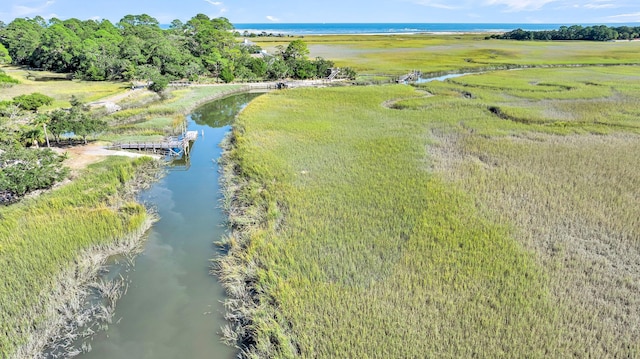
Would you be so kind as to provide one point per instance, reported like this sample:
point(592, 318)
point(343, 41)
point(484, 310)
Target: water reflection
point(172, 308)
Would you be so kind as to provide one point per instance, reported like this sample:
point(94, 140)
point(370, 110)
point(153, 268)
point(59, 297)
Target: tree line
point(575, 32)
point(137, 48)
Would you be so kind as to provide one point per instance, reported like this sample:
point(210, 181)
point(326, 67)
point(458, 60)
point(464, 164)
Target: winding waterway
point(441, 78)
point(172, 308)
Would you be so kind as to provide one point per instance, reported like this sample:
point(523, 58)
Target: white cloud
point(602, 6)
point(520, 5)
point(633, 17)
point(435, 4)
point(23, 11)
point(272, 18)
point(218, 4)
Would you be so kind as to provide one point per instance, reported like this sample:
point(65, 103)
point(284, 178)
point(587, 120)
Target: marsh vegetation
point(381, 57)
point(409, 222)
point(42, 238)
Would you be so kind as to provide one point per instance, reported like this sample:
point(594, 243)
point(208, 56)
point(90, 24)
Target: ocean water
point(389, 28)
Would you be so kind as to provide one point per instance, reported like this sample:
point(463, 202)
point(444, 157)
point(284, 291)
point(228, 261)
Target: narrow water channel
point(441, 78)
point(172, 308)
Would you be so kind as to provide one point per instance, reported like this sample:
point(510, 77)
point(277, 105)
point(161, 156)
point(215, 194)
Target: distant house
point(248, 43)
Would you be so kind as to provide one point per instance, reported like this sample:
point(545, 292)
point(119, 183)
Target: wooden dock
point(411, 76)
point(172, 146)
point(333, 74)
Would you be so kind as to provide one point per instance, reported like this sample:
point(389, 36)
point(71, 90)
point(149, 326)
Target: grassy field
point(494, 215)
point(398, 54)
point(44, 237)
point(57, 86)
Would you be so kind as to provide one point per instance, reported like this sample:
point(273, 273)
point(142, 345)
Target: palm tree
point(43, 120)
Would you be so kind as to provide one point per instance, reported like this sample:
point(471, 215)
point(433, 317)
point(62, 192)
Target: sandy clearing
point(79, 157)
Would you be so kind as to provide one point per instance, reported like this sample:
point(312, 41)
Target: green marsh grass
point(42, 238)
point(574, 202)
point(400, 222)
point(398, 54)
point(362, 252)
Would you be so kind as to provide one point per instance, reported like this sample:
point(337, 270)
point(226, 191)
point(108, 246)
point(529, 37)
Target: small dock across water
point(172, 146)
point(411, 76)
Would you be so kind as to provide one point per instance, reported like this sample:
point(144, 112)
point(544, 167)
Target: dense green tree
point(59, 123)
point(22, 37)
point(33, 101)
point(131, 49)
point(575, 32)
point(304, 69)
point(323, 66)
point(56, 49)
point(100, 50)
point(158, 83)
point(177, 27)
point(4, 55)
point(277, 69)
point(227, 75)
point(257, 66)
point(24, 170)
point(83, 125)
point(296, 50)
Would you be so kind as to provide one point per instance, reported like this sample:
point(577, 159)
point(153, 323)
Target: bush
point(26, 170)
point(6, 79)
point(159, 84)
point(33, 101)
point(226, 75)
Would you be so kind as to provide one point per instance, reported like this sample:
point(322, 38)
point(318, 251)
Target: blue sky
point(265, 11)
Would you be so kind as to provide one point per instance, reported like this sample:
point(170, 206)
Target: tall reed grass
point(466, 218)
point(43, 238)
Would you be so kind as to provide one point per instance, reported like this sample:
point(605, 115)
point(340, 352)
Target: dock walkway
point(411, 76)
point(172, 146)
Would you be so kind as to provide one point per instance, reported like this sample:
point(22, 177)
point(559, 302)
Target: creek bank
point(67, 313)
point(173, 306)
point(63, 310)
point(246, 203)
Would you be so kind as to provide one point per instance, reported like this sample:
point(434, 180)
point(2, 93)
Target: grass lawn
point(58, 86)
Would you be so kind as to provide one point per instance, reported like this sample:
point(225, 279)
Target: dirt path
point(82, 156)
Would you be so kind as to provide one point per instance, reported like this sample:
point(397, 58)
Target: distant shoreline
point(308, 29)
